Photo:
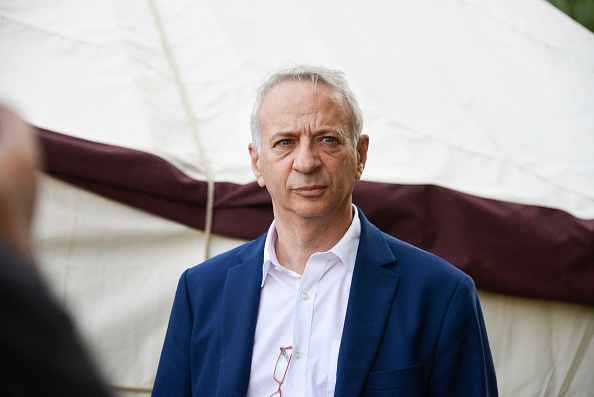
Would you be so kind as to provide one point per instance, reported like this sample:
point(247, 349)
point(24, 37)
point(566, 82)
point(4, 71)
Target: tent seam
point(193, 126)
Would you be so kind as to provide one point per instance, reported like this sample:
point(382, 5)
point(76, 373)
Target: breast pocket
point(401, 382)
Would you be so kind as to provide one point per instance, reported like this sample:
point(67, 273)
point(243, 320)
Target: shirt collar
point(345, 249)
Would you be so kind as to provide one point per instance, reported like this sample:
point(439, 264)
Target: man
point(323, 304)
point(40, 351)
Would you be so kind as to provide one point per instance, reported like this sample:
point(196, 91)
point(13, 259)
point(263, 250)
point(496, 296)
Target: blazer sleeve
point(173, 374)
point(463, 363)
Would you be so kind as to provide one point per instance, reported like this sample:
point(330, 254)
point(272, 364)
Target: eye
point(329, 139)
point(284, 142)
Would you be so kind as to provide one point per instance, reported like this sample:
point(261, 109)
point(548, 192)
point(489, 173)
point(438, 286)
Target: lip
point(310, 191)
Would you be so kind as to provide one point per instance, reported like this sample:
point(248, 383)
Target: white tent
point(481, 108)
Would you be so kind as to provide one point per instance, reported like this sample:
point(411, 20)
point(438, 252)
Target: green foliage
point(580, 10)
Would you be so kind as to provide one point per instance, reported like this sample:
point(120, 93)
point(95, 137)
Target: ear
point(255, 167)
point(362, 147)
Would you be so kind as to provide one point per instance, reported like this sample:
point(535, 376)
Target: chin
point(315, 210)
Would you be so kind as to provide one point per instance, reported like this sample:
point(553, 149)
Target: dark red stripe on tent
point(508, 248)
point(150, 183)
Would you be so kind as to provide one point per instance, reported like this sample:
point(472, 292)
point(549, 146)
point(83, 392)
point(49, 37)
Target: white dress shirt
point(306, 312)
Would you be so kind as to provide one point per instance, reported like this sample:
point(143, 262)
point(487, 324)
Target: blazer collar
point(372, 286)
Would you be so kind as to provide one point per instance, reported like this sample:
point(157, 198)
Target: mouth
point(310, 191)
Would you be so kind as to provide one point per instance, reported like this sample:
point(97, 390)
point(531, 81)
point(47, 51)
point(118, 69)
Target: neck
point(298, 238)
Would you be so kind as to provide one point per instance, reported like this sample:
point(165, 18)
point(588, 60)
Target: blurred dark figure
point(40, 351)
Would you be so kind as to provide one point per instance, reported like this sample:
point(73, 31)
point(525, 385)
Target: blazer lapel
point(241, 297)
point(372, 292)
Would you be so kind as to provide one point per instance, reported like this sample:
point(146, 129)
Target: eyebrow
point(282, 135)
point(291, 134)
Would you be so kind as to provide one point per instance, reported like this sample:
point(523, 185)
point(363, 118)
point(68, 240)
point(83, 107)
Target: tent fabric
point(478, 111)
point(509, 248)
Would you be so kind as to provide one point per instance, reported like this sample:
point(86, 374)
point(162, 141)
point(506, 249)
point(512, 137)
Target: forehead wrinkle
point(317, 88)
point(313, 126)
point(292, 112)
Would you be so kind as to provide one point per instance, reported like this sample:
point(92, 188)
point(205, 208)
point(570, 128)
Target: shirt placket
point(302, 325)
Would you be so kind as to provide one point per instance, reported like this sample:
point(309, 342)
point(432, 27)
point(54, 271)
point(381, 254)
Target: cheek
point(270, 176)
point(348, 167)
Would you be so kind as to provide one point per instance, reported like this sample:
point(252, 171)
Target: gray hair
point(315, 74)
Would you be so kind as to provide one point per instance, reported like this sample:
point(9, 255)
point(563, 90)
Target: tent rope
point(194, 126)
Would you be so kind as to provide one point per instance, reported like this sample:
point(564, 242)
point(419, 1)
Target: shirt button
point(305, 296)
point(278, 269)
point(297, 355)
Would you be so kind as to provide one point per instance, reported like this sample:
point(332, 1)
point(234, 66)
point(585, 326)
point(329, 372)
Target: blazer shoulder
point(403, 258)
point(219, 265)
point(414, 260)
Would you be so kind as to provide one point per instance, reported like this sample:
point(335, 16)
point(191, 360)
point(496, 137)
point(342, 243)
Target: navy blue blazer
point(413, 326)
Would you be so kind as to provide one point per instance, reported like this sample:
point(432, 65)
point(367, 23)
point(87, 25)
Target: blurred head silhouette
point(19, 160)
point(41, 353)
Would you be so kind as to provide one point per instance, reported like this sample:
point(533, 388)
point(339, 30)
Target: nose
point(307, 159)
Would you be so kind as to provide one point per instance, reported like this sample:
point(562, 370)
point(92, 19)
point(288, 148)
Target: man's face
point(307, 162)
